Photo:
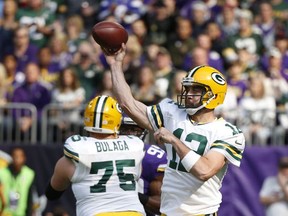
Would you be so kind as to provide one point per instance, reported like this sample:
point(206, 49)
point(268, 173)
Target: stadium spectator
point(257, 112)
point(176, 85)
point(160, 22)
point(13, 79)
point(88, 11)
point(82, 163)
point(59, 51)
point(266, 24)
point(213, 7)
point(124, 12)
point(17, 182)
point(132, 60)
point(229, 109)
point(86, 70)
point(274, 191)
point(144, 88)
point(200, 17)
point(49, 70)
point(74, 7)
point(203, 40)
point(181, 42)
point(140, 30)
point(182, 131)
point(149, 54)
point(281, 43)
point(246, 38)
point(105, 87)
point(75, 32)
point(277, 87)
point(280, 8)
point(213, 30)
point(228, 19)
point(281, 46)
point(3, 86)
point(276, 84)
point(24, 51)
point(164, 72)
point(39, 20)
point(98, 56)
point(69, 95)
point(200, 55)
point(57, 7)
point(249, 61)
point(32, 91)
point(8, 24)
point(237, 80)
point(153, 167)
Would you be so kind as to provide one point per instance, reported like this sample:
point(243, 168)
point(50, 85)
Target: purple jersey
point(239, 87)
point(36, 94)
point(30, 55)
point(153, 165)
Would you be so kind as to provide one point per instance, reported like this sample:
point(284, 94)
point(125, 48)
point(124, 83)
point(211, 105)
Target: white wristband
point(189, 160)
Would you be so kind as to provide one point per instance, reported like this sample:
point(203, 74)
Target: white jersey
point(105, 179)
point(182, 193)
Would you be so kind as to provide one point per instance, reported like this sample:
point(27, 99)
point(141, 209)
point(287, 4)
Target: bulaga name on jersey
point(106, 173)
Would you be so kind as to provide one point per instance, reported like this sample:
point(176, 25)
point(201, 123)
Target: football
point(109, 35)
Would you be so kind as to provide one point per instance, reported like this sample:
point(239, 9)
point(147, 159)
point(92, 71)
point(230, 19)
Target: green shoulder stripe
point(231, 150)
point(157, 116)
point(71, 155)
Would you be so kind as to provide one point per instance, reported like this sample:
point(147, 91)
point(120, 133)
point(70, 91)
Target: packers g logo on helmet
point(209, 78)
point(103, 115)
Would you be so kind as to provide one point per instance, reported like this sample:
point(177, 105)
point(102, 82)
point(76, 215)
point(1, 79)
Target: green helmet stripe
point(193, 71)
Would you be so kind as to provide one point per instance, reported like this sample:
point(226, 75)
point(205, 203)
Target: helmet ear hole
point(210, 94)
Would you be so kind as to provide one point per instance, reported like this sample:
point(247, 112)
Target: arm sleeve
point(51, 193)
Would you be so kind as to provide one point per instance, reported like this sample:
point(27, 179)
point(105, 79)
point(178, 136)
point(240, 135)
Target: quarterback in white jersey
point(218, 135)
point(199, 145)
point(103, 168)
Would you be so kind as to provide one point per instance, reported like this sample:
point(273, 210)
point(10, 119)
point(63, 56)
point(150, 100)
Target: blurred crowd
point(47, 55)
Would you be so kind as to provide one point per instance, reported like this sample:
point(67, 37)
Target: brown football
point(109, 35)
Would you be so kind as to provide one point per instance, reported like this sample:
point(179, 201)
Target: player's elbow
point(204, 177)
point(203, 174)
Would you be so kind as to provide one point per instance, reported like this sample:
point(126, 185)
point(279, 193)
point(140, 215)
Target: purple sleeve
point(153, 164)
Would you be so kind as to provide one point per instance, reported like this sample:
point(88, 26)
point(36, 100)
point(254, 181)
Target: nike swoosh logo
point(238, 143)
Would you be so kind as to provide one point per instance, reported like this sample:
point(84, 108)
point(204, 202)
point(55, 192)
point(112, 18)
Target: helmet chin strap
point(192, 111)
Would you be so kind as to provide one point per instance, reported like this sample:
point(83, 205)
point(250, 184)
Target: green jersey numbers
point(76, 138)
point(126, 180)
point(233, 128)
point(191, 137)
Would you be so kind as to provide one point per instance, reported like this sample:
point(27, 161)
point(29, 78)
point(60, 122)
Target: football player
point(153, 166)
point(103, 168)
point(199, 145)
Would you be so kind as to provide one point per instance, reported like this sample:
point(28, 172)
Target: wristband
point(51, 193)
point(143, 198)
point(189, 160)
